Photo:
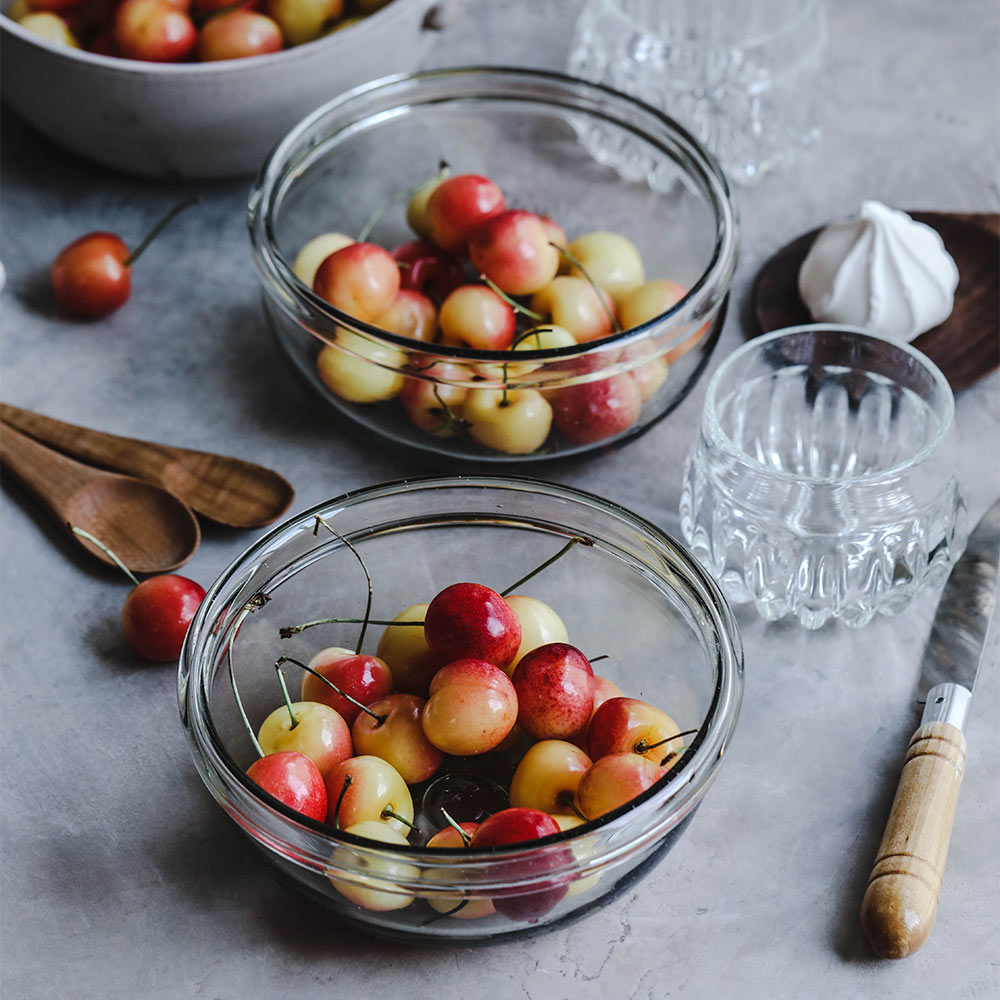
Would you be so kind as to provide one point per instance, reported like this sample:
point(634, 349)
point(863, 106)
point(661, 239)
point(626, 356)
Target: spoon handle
point(138, 458)
point(51, 477)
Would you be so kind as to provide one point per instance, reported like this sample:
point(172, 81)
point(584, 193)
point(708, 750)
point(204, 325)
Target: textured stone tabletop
point(121, 878)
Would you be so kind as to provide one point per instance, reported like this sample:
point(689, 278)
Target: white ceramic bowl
point(199, 120)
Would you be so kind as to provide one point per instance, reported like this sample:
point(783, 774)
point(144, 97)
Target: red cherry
point(365, 678)
point(292, 778)
point(157, 613)
point(427, 269)
point(470, 621)
point(514, 826)
point(93, 275)
point(555, 691)
point(592, 411)
point(90, 277)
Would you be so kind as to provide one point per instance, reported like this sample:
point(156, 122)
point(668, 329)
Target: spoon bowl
point(145, 525)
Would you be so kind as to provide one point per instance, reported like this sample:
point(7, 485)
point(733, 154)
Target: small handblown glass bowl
point(820, 485)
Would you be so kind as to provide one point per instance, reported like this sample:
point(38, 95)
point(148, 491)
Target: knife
point(901, 900)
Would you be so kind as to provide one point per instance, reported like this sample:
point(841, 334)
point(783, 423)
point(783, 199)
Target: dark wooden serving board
point(966, 346)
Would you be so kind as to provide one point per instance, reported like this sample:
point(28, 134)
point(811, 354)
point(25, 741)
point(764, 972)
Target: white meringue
point(882, 271)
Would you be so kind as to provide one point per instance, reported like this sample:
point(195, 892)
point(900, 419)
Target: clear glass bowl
point(821, 484)
point(635, 594)
point(523, 129)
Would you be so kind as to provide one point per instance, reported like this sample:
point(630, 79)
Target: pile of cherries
point(184, 30)
point(477, 707)
point(485, 276)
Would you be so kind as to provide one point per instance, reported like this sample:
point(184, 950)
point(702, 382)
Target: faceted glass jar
point(528, 131)
point(821, 484)
point(634, 595)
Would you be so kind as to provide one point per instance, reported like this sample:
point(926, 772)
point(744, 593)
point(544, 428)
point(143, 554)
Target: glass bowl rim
point(688, 782)
point(714, 279)
point(719, 439)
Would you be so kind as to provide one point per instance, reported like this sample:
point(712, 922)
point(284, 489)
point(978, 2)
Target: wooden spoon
point(227, 490)
point(147, 527)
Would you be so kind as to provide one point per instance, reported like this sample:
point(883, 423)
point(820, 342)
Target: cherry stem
point(597, 659)
point(357, 555)
point(443, 171)
point(284, 691)
point(451, 422)
point(255, 602)
point(577, 539)
point(343, 694)
point(615, 325)
point(642, 747)
point(577, 812)
point(536, 332)
point(340, 798)
point(96, 541)
point(455, 826)
point(195, 199)
point(287, 631)
point(513, 303)
point(389, 813)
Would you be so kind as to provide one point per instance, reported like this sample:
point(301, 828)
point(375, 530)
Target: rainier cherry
point(315, 730)
point(404, 648)
point(512, 249)
point(548, 775)
point(609, 259)
point(397, 736)
point(514, 421)
point(614, 780)
point(238, 34)
point(457, 206)
point(361, 279)
point(475, 316)
point(153, 30)
point(471, 709)
point(92, 276)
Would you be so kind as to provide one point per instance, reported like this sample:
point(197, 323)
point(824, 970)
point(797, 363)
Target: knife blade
point(901, 900)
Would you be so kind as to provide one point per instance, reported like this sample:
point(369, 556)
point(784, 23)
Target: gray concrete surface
point(120, 876)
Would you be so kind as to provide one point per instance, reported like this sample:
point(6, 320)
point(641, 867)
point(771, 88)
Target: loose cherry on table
point(157, 612)
point(156, 615)
point(92, 276)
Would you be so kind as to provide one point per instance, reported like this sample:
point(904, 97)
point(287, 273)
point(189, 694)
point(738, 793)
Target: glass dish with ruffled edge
point(822, 484)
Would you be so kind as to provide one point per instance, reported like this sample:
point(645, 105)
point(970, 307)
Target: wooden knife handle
point(901, 900)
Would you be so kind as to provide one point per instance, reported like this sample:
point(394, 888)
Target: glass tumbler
point(821, 485)
point(741, 76)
